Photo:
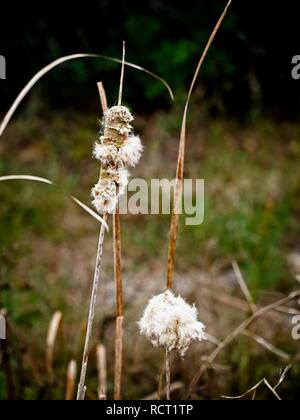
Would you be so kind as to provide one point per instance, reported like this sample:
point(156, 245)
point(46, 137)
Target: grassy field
point(47, 250)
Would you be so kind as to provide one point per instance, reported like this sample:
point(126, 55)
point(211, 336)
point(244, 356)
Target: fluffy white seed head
point(170, 322)
point(130, 153)
point(104, 196)
point(117, 150)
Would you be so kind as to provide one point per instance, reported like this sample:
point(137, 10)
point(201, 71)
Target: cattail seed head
point(171, 323)
point(117, 150)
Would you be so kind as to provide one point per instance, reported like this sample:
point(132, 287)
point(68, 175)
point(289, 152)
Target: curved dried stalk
point(265, 382)
point(246, 324)
point(81, 386)
point(53, 330)
point(62, 60)
point(71, 380)
point(243, 285)
point(180, 164)
point(181, 157)
point(267, 345)
point(240, 330)
point(122, 75)
point(88, 339)
point(102, 372)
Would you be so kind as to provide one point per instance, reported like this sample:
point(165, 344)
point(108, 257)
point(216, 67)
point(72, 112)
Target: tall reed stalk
point(97, 276)
point(175, 218)
point(117, 245)
point(117, 276)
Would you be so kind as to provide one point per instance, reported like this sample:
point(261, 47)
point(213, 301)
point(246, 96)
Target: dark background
point(247, 71)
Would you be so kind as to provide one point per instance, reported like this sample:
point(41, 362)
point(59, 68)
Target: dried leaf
point(180, 163)
point(51, 340)
point(58, 62)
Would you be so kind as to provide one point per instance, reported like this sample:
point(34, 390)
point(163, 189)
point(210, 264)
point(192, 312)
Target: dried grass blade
point(239, 330)
point(267, 345)
point(103, 98)
point(244, 287)
point(71, 380)
point(102, 372)
point(255, 388)
point(96, 282)
point(122, 75)
point(58, 62)
point(181, 156)
point(47, 181)
point(53, 330)
point(283, 375)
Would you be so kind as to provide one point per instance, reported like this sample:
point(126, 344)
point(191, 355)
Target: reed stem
point(82, 387)
point(118, 275)
point(168, 376)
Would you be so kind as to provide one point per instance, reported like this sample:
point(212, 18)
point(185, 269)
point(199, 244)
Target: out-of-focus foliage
point(248, 69)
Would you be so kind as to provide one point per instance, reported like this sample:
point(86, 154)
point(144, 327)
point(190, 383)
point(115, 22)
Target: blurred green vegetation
point(252, 207)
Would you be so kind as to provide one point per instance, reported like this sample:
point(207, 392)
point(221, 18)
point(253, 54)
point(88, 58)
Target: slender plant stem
point(161, 375)
point(119, 358)
point(119, 306)
point(118, 275)
point(175, 218)
point(118, 262)
point(81, 387)
point(178, 190)
point(168, 375)
point(122, 75)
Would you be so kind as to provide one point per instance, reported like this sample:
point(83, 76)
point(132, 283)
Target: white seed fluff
point(170, 322)
point(106, 153)
point(131, 152)
point(123, 180)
